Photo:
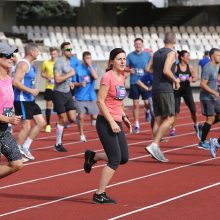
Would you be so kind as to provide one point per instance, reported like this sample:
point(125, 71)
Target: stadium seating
point(100, 40)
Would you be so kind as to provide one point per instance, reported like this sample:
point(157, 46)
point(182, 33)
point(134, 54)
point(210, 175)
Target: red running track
point(56, 187)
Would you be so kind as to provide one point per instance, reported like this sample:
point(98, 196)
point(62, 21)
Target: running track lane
point(135, 170)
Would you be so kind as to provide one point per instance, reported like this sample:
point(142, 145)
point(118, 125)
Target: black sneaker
point(60, 148)
point(102, 199)
point(89, 160)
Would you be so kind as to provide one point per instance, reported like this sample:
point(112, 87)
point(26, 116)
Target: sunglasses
point(68, 49)
point(7, 56)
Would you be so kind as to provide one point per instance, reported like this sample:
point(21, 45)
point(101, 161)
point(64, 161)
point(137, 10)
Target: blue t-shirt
point(209, 73)
point(86, 93)
point(147, 79)
point(204, 61)
point(74, 63)
point(138, 62)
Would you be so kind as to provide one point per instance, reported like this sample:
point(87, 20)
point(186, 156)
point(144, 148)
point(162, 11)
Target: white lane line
point(79, 170)
point(166, 201)
point(75, 171)
point(112, 185)
point(95, 139)
point(89, 131)
point(79, 154)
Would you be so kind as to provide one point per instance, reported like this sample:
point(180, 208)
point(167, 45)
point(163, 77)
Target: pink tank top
point(6, 96)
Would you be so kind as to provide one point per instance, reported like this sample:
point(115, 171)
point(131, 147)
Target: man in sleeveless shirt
point(25, 92)
point(164, 62)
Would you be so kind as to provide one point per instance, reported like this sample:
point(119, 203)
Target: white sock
point(93, 122)
point(27, 143)
point(59, 133)
point(137, 124)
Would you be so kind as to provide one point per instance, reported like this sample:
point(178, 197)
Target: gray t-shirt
point(62, 66)
point(210, 73)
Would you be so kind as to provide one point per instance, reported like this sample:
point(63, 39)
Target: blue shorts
point(136, 91)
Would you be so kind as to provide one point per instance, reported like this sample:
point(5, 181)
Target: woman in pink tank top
point(8, 145)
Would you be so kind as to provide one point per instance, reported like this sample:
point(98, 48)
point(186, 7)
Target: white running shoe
point(24, 159)
point(156, 153)
point(82, 138)
point(26, 153)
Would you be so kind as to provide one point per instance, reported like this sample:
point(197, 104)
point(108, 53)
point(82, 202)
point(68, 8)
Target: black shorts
point(136, 91)
point(186, 93)
point(9, 147)
point(163, 104)
point(48, 94)
point(63, 102)
point(27, 109)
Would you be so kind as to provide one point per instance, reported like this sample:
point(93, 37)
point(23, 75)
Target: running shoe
point(82, 138)
point(172, 132)
point(48, 129)
point(214, 145)
point(136, 130)
point(89, 160)
point(102, 199)
point(164, 140)
point(204, 145)
point(198, 130)
point(26, 152)
point(147, 116)
point(24, 159)
point(156, 153)
point(60, 148)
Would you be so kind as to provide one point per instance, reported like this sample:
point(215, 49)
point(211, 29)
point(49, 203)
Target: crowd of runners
point(161, 79)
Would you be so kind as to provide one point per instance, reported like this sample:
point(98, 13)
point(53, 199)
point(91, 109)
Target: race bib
point(120, 92)
point(8, 112)
point(86, 78)
point(184, 77)
point(139, 71)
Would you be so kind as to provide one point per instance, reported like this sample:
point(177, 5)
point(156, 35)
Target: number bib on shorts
point(120, 92)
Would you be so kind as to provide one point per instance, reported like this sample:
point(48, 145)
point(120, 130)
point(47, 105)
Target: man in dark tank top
point(163, 65)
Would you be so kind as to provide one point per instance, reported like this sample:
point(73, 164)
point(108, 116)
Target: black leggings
point(186, 93)
point(114, 144)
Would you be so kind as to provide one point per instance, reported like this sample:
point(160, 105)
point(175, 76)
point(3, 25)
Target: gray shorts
point(163, 104)
point(210, 107)
point(87, 107)
point(9, 147)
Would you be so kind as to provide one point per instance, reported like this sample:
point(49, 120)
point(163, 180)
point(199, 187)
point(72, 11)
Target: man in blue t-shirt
point(85, 95)
point(136, 63)
point(146, 82)
point(203, 62)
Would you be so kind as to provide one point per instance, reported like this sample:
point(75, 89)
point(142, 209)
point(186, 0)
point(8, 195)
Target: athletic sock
point(48, 114)
point(137, 124)
point(205, 130)
point(59, 134)
point(27, 143)
point(216, 120)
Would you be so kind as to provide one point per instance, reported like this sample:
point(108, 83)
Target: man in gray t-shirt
point(62, 97)
point(209, 96)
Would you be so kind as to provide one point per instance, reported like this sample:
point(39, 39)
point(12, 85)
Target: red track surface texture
point(56, 187)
